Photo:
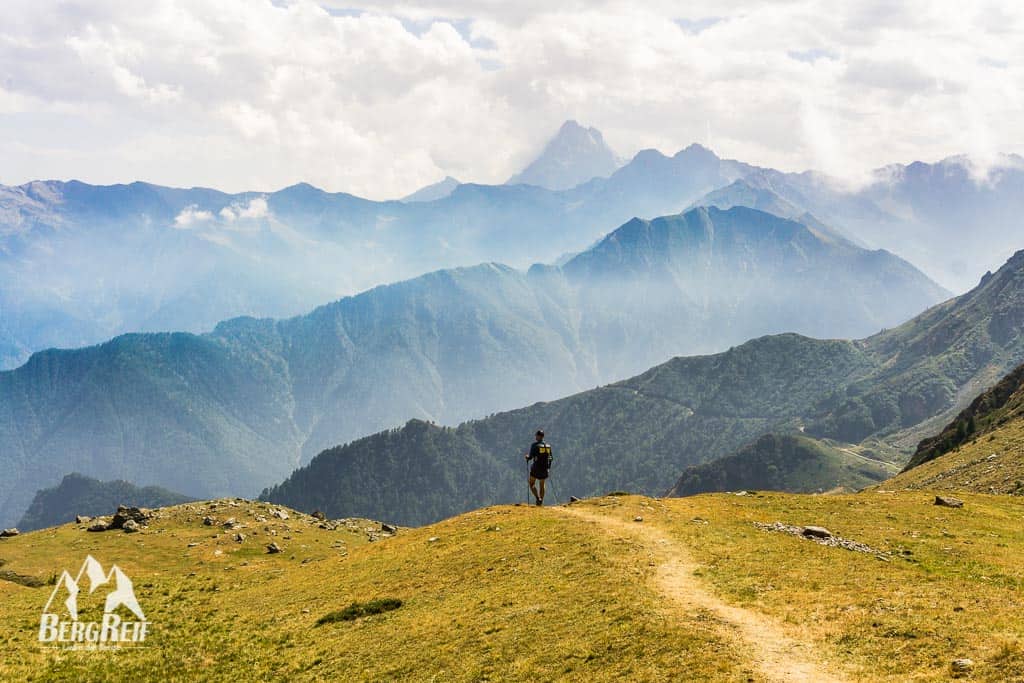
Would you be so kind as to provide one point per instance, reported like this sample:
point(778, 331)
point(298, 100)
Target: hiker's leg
point(542, 482)
point(533, 486)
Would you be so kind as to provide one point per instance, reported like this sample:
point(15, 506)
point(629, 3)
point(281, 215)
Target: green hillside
point(982, 449)
point(80, 495)
point(784, 462)
point(640, 434)
point(993, 410)
point(702, 589)
point(237, 409)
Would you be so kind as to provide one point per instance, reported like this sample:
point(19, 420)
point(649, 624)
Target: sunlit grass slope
point(521, 593)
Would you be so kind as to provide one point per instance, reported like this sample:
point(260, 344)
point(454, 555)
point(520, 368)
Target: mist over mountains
point(238, 408)
point(80, 263)
point(640, 434)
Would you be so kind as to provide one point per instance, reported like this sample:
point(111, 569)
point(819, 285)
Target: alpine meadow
point(469, 341)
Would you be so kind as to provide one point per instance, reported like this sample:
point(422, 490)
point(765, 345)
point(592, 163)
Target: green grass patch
point(360, 609)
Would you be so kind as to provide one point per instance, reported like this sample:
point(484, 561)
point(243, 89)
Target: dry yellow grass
point(511, 593)
point(519, 593)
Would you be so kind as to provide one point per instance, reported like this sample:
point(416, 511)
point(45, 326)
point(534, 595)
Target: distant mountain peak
point(573, 156)
point(434, 191)
point(696, 150)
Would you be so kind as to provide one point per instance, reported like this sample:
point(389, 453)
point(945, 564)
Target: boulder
point(273, 548)
point(82, 519)
point(209, 521)
point(7, 533)
point(388, 528)
point(130, 526)
point(638, 518)
point(949, 501)
point(573, 499)
point(280, 514)
point(140, 516)
point(319, 515)
point(239, 538)
point(816, 532)
point(99, 524)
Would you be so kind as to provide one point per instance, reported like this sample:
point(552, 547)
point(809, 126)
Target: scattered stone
point(230, 523)
point(949, 502)
point(741, 493)
point(280, 514)
point(388, 528)
point(699, 520)
point(192, 545)
point(273, 548)
point(961, 667)
point(130, 526)
point(218, 552)
point(209, 521)
point(260, 518)
point(239, 538)
point(99, 524)
point(573, 499)
point(433, 539)
point(817, 532)
point(319, 515)
point(82, 519)
point(7, 533)
point(831, 540)
point(638, 518)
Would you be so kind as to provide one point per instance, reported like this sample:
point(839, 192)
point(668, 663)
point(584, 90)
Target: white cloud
point(191, 216)
point(387, 96)
point(255, 208)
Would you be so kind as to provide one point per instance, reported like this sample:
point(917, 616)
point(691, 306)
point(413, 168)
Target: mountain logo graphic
point(113, 629)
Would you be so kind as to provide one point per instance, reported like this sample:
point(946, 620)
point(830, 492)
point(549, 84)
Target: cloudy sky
point(379, 98)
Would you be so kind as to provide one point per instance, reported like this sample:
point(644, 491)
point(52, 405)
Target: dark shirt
point(540, 455)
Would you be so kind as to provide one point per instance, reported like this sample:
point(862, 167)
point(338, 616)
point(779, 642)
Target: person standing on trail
point(540, 464)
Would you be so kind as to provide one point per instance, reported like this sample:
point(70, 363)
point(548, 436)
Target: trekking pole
point(528, 491)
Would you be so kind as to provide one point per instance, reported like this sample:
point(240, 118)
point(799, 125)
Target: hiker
point(540, 455)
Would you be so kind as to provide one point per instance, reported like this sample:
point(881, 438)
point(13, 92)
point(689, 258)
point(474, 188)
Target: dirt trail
point(770, 650)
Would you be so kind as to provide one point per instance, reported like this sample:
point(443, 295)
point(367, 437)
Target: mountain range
point(237, 409)
point(81, 263)
point(883, 392)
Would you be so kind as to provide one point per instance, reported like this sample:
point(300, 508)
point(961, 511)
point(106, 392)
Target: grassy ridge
point(503, 593)
point(523, 593)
